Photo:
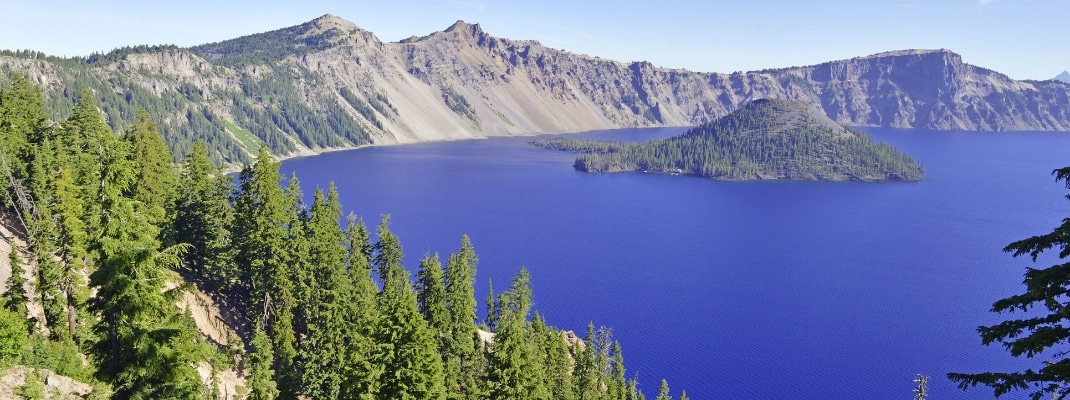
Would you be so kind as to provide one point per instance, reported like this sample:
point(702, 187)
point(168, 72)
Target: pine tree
point(462, 347)
point(409, 355)
point(328, 326)
point(362, 374)
point(431, 296)
point(261, 377)
point(260, 237)
point(515, 372)
point(147, 347)
point(153, 171)
point(586, 375)
point(202, 215)
point(15, 297)
point(663, 391)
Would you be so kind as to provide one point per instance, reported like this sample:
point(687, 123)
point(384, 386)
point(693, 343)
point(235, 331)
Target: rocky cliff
point(329, 84)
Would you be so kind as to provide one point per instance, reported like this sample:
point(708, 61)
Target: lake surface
point(737, 290)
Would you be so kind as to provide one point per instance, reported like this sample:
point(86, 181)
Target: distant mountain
point(1063, 77)
point(327, 84)
point(765, 139)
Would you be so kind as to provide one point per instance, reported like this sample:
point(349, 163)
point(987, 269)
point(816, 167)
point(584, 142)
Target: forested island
point(112, 249)
point(765, 139)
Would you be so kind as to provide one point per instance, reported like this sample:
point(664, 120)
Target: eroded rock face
point(465, 83)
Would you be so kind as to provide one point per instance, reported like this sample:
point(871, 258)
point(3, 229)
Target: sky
point(1025, 39)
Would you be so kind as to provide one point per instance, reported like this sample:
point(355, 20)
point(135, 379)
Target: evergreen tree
point(153, 171)
point(148, 348)
point(202, 215)
point(586, 375)
point(663, 391)
point(514, 370)
point(431, 295)
point(1046, 290)
point(462, 347)
point(260, 237)
point(15, 297)
point(260, 382)
point(362, 375)
point(412, 367)
point(329, 328)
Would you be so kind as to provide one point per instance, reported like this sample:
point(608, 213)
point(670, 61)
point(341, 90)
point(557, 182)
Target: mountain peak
point(461, 26)
point(1063, 77)
point(331, 21)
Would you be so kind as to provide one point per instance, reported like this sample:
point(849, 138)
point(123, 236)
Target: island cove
point(764, 139)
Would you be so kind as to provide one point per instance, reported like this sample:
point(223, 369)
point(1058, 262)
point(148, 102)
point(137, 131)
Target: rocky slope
point(329, 84)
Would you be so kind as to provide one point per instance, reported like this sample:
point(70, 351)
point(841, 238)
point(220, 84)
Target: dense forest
point(263, 110)
point(765, 139)
point(115, 233)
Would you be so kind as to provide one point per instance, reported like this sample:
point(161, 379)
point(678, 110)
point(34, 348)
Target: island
point(764, 139)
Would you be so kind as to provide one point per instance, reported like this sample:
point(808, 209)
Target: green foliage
point(34, 386)
point(116, 208)
point(1043, 329)
point(458, 103)
point(13, 340)
point(763, 140)
point(412, 366)
point(260, 381)
point(268, 47)
point(663, 391)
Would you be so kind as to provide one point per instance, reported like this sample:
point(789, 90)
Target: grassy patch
point(247, 139)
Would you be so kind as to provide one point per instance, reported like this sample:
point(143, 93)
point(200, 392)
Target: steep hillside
point(328, 84)
point(764, 139)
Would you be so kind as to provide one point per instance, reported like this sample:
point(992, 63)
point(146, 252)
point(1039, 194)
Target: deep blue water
point(737, 290)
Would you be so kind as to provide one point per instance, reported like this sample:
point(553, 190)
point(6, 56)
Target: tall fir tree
point(462, 348)
point(156, 175)
point(202, 215)
point(514, 368)
point(328, 325)
point(260, 235)
point(412, 366)
point(362, 373)
point(149, 349)
point(260, 375)
point(663, 391)
point(431, 296)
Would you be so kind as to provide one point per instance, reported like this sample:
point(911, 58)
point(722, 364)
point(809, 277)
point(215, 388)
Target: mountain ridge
point(328, 84)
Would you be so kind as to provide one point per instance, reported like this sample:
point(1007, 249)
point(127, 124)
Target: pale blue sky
point(1026, 39)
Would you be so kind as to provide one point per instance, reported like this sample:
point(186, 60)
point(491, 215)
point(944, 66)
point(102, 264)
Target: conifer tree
point(514, 370)
point(148, 348)
point(261, 377)
point(362, 372)
point(15, 297)
point(412, 367)
point(663, 391)
point(260, 235)
point(431, 295)
point(329, 328)
point(202, 215)
point(462, 348)
point(586, 375)
point(153, 171)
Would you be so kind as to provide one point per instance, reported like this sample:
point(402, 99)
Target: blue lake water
point(737, 290)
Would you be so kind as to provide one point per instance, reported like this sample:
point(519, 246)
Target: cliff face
point(329, 84)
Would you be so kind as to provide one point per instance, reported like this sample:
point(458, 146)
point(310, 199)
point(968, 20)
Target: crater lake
point(737, 290)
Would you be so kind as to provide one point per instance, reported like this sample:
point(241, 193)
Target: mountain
point(1063, 77)
point(328, 84)
point(764, 139)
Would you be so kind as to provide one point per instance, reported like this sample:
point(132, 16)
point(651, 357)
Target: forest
point(115, 232)
point(765, 139)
